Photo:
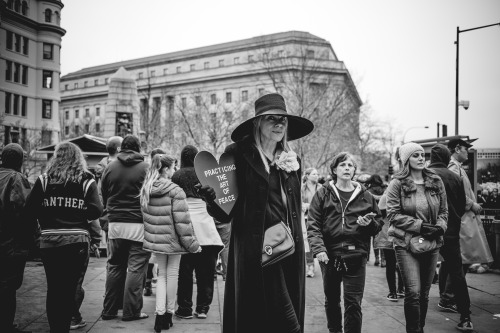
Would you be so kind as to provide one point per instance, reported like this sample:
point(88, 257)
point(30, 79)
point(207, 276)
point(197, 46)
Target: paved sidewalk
point(379, 314)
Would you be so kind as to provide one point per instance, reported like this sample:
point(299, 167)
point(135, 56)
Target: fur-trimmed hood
point(432, 183)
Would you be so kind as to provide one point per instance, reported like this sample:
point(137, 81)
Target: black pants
point(353, 282)
point(80, 292)
point(451, 276)
point(391, 269)
point(63, 267)
point(11, 279)
point(203, 264)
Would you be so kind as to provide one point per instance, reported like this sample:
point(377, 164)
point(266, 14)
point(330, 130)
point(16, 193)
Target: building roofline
point(204, 51)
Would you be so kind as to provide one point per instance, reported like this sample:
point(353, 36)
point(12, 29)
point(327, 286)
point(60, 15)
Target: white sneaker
point(77, 324)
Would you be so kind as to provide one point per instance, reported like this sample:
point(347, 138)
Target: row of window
point(18, 6)
point(17, 43)
point(16, 72)
point(15, 104)
point(236, 61)
point(87, 113)
point(86, 129)
point(18, 105)
point(86, 84)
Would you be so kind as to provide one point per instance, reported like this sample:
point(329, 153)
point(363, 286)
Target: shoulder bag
point(419, 244)
point(278, 241)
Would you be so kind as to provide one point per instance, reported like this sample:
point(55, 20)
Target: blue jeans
point(126, 273)
point(354, 286)
point(417, 271)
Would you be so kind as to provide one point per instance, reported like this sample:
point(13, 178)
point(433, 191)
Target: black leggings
point(390, 271)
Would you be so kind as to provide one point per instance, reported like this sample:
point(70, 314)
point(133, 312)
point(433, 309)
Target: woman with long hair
point(168, 232)
point(309, 187)
point(270, 298)
point(343, 216)
point(418, 212)
point(64, 200)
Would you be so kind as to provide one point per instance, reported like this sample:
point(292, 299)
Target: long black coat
point(245, 308)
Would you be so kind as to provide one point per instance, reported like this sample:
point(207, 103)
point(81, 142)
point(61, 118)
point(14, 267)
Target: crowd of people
point(155, 214)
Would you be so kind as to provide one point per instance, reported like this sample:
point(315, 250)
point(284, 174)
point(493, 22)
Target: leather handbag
point(278, 240)
point(419, 244)
point(278, 244)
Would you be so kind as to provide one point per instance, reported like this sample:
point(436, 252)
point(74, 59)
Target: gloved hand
point(206, 192)
point(430, 231)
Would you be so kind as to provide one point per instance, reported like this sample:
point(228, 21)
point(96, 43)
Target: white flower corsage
point(287, 161)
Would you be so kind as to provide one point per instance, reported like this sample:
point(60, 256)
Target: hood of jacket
point(161, 187)
point(358, 188)
point(188, 154)
point(130, 157)
point(440, 156)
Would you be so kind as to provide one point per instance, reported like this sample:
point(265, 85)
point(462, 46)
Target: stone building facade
point(197, 96)
point(30, 41)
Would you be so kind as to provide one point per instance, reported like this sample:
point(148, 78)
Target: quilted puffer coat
point(167, 225)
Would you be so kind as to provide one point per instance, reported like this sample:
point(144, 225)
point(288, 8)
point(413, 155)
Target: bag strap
point(285, 201)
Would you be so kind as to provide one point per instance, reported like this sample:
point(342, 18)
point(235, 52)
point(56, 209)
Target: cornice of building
point(32, 24)
point(58, 3)
point(272, 40)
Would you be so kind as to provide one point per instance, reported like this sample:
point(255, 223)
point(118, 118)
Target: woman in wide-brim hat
point(271, 298)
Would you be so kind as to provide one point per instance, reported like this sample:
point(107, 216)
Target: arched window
point(48, 15)
point(58, 18)
point(17, 6)
point(24, 9)
point(10, 4)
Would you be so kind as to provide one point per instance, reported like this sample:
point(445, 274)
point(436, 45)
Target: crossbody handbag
point(419, 244)
point(278, 241)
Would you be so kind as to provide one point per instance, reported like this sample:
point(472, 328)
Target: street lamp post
point(404, 135)
point(456, 77)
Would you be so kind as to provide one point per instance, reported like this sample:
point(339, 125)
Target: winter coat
point(64, 209)
point(16, 232)
point(245, 308)
point(381, 240)
point(120, 186)
point(455, 193)
point(333, 228)
point(401, 208)
point(167, 225)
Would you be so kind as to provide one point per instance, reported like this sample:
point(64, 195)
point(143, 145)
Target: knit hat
point(406, 150)
point(12, 156)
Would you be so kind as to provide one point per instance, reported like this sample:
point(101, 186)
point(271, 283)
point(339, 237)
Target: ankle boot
point(159, 322)
point(167, 321)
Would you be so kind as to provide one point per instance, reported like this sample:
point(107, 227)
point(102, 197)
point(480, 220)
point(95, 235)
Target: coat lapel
point(253, 159)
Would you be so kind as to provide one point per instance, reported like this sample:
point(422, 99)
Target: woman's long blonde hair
point(67, 165)
point(158, 164)
point(258, 144)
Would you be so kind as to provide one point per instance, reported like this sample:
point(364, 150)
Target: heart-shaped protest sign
point(221, 176)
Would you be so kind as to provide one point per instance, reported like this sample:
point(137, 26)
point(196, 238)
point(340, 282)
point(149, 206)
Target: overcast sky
point(401, 54)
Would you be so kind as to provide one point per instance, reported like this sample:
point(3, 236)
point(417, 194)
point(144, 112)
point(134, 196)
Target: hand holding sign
point(220, 176)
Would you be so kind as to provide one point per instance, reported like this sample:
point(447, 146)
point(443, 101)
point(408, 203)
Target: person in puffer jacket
point(343, 216)
point(168, 232)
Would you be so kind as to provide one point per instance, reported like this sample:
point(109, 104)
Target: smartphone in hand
point(370, 215)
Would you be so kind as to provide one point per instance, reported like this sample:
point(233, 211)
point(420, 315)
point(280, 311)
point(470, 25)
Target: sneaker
point(184, 314)
point(76, 324)
point(392, 297)
point(465, 325)
point(448, 306)
point(148, 291)
point(200, 315)
point(377, 262)
point(401, 294)
point(383, 263)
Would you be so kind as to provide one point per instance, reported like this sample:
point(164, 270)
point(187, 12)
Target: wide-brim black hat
point(274, 104)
